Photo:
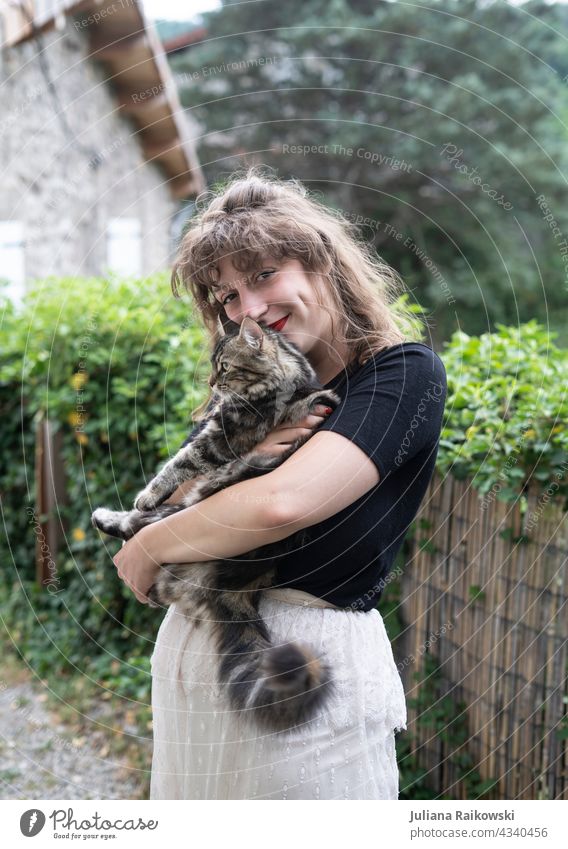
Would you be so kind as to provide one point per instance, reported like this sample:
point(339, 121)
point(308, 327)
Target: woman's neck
point(331, 365)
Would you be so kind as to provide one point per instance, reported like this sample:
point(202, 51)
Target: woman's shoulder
point(408, 354)
point(408, 367)
point(405, 363)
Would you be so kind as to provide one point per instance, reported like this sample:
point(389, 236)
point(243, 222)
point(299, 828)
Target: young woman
point(266, 249)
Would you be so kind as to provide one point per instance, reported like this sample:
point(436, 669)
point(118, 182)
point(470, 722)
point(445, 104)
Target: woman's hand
point(281, 438)
point(136, 566)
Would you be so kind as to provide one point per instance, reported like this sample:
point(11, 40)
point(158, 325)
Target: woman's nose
point(253, 305)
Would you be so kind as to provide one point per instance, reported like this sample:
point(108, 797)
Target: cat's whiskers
point(246, 401)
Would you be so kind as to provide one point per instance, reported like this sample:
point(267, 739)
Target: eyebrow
point(265, 261)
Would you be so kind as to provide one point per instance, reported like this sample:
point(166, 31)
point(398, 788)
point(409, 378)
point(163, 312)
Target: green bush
point(117, 367)
point(505, 424)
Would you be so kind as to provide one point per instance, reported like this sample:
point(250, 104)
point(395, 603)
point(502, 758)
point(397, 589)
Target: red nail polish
point(329, 410)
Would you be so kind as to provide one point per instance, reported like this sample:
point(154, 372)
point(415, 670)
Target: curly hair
point(256, 214)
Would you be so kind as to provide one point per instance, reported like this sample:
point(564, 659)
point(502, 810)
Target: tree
point(441, 123)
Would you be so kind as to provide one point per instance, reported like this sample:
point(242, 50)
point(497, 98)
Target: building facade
point(95, 163)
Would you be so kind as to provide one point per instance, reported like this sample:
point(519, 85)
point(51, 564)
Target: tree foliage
point(440, 124)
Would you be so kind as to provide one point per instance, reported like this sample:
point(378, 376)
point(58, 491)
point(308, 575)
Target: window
point(124, 246)
point(15, 16)
point(12, 266)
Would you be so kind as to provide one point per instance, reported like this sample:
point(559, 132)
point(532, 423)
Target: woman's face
point(282, 289)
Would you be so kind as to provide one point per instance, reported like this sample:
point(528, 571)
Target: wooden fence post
point(504, 590)
point(50, 495)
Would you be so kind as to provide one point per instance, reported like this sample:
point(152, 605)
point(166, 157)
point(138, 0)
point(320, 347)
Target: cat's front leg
point(123, 524)
point(186, 465)
point(304, 407)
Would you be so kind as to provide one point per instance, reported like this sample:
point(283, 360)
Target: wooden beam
point(103, 50)
point(158, 150)
point(182, 187)
point(137, 102)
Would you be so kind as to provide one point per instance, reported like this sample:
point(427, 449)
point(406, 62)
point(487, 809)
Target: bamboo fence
point(492, 610)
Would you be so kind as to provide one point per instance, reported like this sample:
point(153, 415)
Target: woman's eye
point(264, 274)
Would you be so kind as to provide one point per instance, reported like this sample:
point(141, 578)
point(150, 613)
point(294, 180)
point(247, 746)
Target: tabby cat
point(259, 380)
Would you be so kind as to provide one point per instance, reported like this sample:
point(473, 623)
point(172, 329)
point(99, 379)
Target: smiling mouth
point(278, 325)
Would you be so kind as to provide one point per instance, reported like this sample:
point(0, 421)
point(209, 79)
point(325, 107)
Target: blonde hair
point(256, 214)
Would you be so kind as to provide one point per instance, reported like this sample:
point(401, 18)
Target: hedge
point(117, 366)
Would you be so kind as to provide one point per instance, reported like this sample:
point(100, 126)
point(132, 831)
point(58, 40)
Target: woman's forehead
point(229, 264)
point(226, 271)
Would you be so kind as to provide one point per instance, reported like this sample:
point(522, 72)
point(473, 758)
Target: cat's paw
point(99, 518)
point(146, 500)
point(109, 521)
point(326, 397)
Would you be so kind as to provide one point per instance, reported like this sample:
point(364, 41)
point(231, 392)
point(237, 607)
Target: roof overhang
point(129, 50)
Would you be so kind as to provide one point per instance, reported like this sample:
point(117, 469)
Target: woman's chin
point(294, 338)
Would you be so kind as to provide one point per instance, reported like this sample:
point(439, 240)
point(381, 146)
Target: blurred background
point(439, 130)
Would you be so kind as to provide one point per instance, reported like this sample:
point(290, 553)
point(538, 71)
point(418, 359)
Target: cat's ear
point(251, 333)
point(226, 327)
point(220, 328)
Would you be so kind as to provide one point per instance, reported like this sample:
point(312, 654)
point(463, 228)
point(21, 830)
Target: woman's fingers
point(311, 421)
point(322, 410)
point(282, 437)
point(289, 434)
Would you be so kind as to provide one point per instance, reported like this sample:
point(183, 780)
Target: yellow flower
point(530, 433)
point(75, 419)
point(79, 379)
point(78, 534)
point(558, 429)
point(82, 438)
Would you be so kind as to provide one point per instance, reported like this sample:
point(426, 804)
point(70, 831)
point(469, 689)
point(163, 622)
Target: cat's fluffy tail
point(279, 687)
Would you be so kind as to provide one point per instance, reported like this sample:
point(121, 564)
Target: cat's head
point(255, 359)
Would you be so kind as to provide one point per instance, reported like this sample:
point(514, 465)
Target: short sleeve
point(392, 407)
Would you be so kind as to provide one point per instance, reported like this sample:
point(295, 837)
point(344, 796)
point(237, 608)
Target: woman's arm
point(392, 413)
point(319, 480)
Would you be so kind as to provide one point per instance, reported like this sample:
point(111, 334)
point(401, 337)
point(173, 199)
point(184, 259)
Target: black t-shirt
point(392, 410)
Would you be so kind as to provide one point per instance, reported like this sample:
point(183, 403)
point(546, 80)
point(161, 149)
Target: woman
point(265, 249)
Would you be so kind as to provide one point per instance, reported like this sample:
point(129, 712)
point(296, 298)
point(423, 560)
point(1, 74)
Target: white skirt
point(205, 750)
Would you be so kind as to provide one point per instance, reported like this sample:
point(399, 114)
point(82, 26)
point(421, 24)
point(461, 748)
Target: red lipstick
point(278, 325)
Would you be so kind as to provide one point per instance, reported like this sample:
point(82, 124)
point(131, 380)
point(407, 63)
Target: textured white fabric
point(204, 750)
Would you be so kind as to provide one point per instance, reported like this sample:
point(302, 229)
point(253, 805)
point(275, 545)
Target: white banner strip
point(236, 825)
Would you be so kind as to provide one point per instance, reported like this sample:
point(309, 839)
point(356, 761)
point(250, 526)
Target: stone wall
point(69, 161)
